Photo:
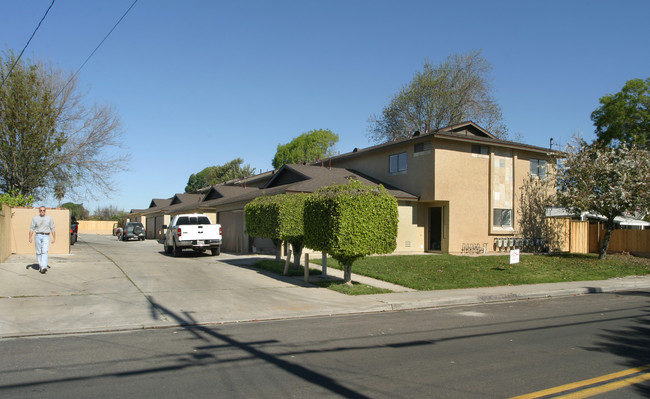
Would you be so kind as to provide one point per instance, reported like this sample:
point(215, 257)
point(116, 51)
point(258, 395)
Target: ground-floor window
point(502, 218)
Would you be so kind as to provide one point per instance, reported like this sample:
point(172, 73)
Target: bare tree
point(455, 91)
point(51, 142)
point(537, 194)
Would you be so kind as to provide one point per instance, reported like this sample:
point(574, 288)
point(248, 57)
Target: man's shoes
point(43, 270)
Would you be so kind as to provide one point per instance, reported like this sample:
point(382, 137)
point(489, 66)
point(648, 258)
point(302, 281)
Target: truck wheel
point(215, 251)
point(177, 251)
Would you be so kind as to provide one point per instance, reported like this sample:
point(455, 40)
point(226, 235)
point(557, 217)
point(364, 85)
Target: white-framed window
point(397, 163)
point(502, 218)
point(538, 168)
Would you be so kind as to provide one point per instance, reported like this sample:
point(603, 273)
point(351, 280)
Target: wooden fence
point(622, 240)
point(580, 237)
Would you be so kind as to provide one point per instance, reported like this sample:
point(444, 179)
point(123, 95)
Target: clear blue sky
point(199, 83)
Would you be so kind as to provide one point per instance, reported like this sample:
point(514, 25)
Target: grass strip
point(438, 272)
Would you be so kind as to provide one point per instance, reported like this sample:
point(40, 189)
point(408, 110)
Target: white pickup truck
point(192, 231)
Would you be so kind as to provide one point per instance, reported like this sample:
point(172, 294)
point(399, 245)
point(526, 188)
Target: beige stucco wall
point(21, 220)
point(410, 233)
point(96, 227)
point(419, 166)
point(463, 182)
point(5, 232)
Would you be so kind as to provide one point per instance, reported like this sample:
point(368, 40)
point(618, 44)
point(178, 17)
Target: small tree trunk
point(297, 252)
point(609, 229)
point(286, 264)
point(347, 275)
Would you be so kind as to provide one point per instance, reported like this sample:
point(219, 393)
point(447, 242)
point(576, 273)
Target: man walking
point(43, 226)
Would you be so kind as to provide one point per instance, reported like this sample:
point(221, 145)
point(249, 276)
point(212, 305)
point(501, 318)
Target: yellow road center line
point(607, 387)
point(579, 384)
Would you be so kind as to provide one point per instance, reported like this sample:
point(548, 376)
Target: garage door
point(232, 225)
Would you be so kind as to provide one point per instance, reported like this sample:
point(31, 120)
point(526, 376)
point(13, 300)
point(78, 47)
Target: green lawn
point(439, 272)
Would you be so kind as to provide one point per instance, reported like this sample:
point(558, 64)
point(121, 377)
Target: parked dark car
point(133, 230)
point(74, 230)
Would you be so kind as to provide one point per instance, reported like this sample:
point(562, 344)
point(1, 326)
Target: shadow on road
point(631, 344)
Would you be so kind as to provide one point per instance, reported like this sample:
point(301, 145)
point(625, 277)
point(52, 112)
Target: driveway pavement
point(107, 285)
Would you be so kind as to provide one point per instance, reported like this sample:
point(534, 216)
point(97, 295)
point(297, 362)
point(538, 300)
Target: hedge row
point(347, 221)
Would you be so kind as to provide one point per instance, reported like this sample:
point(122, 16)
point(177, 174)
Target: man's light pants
point(42, 244)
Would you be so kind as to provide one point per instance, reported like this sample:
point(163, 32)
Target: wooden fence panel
point(630, 241)
point(559, 234)
point(594, 237)
point(623, 240)
point(579, 237)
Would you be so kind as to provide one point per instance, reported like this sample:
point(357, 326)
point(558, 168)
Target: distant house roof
point(309, 178)
point(159, 202)
point(296, 179)
point(185, 198)
point(252, 181)
point(619, 220)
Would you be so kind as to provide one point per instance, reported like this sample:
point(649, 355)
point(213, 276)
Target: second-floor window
point(397, 163)
point(421, 147)
point(479, 149)
point(538, 168)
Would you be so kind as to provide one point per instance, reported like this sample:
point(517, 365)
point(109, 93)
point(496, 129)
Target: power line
point(96, 48)
point(28, 41)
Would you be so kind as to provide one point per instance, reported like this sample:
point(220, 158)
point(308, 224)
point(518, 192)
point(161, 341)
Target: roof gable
point(287, 174)
point(159, 202)
point(212, 194)
point(468, 129)
point(185, 198)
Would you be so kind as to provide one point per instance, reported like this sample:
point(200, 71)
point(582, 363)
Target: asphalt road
point(484, 351)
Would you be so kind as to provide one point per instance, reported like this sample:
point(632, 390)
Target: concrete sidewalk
point(106, 285)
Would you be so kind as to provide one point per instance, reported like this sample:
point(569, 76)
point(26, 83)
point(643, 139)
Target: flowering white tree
point(607, 181)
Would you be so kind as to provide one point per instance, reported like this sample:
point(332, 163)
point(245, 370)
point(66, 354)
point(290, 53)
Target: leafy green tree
point(350, 221)
point(308, 147)
point(218, 174)
point(76, 210)
point(455, 91)
point(279, 217)
point(13, 198)
point(48, 135)
point(624, 117)
point(110, 212)
point(606, 181)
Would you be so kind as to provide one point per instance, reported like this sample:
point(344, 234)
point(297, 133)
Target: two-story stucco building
point(467, 182)
point(457, 187)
